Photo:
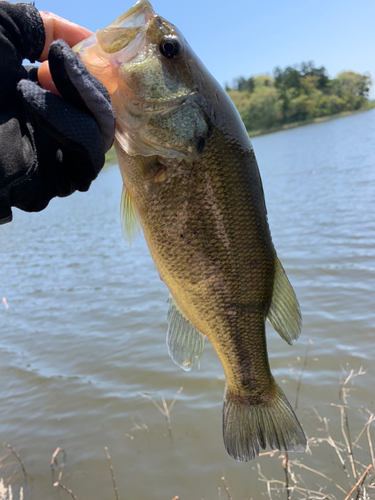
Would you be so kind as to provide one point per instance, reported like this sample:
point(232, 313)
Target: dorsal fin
point(284, 314)
point(184, 341)
point(130, 224)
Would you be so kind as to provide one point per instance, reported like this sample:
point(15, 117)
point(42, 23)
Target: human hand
point(80, 117)
point(51, 145)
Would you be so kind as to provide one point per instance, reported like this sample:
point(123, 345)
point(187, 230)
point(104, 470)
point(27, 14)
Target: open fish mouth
point(126, 28)
point(120, 42)
point(141, 13)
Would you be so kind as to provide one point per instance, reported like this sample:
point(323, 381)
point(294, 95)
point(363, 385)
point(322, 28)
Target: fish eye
point(170, 47)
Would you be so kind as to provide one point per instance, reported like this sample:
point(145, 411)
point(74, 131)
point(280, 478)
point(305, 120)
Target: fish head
point(155, 81)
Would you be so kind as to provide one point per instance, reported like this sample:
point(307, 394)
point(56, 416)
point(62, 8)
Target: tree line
point(297, 93)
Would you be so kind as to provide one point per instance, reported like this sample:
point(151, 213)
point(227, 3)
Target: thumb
point(45, 78)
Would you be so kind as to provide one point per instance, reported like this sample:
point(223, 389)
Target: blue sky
point(242, 37)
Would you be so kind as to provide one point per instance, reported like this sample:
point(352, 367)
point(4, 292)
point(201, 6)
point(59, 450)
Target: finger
point(45, 78)
point(57, 27)
point(81, 89)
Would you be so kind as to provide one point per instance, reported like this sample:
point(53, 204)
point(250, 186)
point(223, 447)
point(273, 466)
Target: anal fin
point(184, 341)
point(284, 313)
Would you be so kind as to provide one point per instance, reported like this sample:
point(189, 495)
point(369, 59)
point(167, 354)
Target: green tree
point(243, 85)
point(297, 93)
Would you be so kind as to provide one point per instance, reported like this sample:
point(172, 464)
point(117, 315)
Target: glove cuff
point(5, 210)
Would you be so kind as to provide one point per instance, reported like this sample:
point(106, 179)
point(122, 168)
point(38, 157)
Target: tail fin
point(248, 427)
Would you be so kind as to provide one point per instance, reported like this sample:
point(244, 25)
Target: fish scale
point(191, 180)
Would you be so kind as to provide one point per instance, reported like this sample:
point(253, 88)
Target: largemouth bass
point(191, 180)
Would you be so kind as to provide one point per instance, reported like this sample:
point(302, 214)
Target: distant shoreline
point(111, 159)
point(287, 126)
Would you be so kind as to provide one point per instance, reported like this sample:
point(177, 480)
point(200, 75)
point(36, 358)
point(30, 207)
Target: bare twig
point(226, 488)
point(344, 390)
point(301, 373)
point(303, 466)
point(112, 473)
point(359, 482)
point(19, 459)
point(58, 484)
point(312, 494)
point(349, 447)
point(306, 493)
point(286, 472)
point(165, 410)
point(345, 451)
point(372, 418)
point(167, 417)
point(142, 427)
point(321, 419)
point(320, 495)
point(268, 453)
point(285, 462)
point(56, 465)
point(331, 442)
point(334, 445)
point(267, 481)
point(175, 398)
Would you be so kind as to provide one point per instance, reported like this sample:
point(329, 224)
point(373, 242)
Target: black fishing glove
point(50, 145)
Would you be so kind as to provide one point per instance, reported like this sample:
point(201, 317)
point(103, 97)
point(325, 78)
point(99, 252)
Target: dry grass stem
point(165, 410)
point(359, 483)
point(304, 493)
point(268, 482)
point(55, 465)
point(296, 486)
point(301, 373)
point(344, 389)
point(332, 443)
point(112, 473)
point(19, 459)
point(285, 461)
point(348, 444)
point(59, 485)
point(142, 427)
point(318, 416)
point(303, 466)
point(371, 419)
point(226, 488)
point(286, 472)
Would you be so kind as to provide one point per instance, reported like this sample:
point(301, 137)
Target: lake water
point(84, 333)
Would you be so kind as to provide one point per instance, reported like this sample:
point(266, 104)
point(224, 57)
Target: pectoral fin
point(284, 314)
point(130, 225)
point(184, 341)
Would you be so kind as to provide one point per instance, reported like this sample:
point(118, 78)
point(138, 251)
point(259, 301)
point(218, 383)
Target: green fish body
point(191, 180)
